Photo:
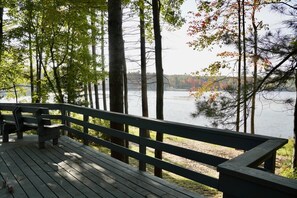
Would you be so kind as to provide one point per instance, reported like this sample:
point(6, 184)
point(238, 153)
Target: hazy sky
point(179, 58)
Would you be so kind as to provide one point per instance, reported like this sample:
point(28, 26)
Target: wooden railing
point(248, 175)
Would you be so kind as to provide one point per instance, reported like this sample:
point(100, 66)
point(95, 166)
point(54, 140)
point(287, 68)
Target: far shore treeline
point(190, 82)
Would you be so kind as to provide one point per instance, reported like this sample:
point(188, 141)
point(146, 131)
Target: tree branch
point(274, 69)
point(286, 4)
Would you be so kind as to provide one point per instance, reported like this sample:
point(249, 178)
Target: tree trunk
point(126, 108)
point(143, 65)
point(58, 84)
point(90, 95)
point(116, 62)
point(30, 18)
point(39, 51)
point(239, 69)
point(159, 74)
point(103, 61)
point(94, 55)
point(125, 81)
point(244, 71)
point(294, 161)
point(86, 103)
point(255, 62)
point(31, 66)
point(1, 31)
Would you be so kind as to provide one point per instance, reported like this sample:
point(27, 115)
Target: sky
point(179, 58)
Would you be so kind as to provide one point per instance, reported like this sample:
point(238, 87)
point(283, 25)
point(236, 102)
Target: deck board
point(74, 170)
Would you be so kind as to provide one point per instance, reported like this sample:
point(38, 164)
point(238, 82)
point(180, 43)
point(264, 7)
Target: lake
point(272, 118)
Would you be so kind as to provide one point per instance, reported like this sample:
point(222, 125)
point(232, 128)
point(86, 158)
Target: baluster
point(86, 129)
point(142, 149)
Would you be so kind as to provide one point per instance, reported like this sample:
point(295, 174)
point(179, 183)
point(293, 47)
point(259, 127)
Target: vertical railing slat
point(142, 149)
point(86, 129)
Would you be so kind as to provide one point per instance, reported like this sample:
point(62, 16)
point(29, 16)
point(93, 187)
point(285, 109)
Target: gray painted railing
point(248, 175)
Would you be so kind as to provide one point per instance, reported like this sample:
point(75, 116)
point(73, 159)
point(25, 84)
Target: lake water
point(272, 118)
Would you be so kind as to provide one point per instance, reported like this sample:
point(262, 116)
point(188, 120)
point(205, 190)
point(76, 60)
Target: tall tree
point(102, 42)
point(94, 55)
point(239, 67)
point(281, 45)
point(255, 27)
point(116, 62)
point(245, 110)
point(1, 28)
point(213, 27)
point(159, 75)
point(144, 98)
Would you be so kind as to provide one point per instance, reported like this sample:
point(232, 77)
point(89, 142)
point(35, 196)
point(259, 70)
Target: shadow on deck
point(72, 169)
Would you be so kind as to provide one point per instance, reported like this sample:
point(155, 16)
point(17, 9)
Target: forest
point(191, 83)
point(69, 48)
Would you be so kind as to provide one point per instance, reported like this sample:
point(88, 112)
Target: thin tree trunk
point(294, 160)
point(58, 84)
point(125, 81)
point(143, 65)
point(86, 95)
point(94, 55)
point(159, 74)
point(116, 49)
point(255, 62)
point(244, 71)
point(39, 50)
point(103, 61)
point(90, 95)
point(1, 31)
point(126, 105)
point(239, 69)
point(31, 66)
point(15, 93)
point(30, 18)
point(56, 73)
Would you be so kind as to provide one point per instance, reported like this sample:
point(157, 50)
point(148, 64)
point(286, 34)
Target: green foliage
point(11, 72)
point(58, 35)
point(171, 12)
point(286, 154)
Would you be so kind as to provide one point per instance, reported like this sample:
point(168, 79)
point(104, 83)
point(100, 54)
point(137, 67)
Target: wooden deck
point(73, 170)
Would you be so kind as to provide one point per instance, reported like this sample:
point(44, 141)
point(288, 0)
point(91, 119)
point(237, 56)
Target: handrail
point(240, 171)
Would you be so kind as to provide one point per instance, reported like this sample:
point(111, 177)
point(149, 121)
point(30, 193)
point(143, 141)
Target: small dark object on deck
point(10, 189)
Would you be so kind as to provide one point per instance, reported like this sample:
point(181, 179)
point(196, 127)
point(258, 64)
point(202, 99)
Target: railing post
point(86, 129)
point(63, 113)
point(142, 149)
point(269, 164)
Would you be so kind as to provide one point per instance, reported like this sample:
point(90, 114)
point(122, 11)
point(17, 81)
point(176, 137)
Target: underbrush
point(284, 161)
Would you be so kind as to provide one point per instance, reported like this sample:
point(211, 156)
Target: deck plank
point(155, 185)
point(51, 170)
point(75, 170)
point(29, 169)
point(105, 181)
point(20, 175)
point(73, 186)
point(122, 182)
point(28, 155)
point(7, 175)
